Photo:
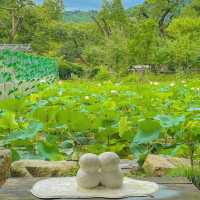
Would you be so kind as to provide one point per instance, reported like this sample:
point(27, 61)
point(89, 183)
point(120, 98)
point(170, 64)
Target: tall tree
point(118, 13)
point(54, 9)
point(192, 9)
point(162, 11)
point(15, 10)
point(111, 16)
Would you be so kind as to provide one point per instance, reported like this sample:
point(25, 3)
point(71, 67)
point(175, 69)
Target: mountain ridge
point(87, 5)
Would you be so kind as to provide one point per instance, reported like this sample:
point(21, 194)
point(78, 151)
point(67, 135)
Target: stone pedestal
point(5, 163)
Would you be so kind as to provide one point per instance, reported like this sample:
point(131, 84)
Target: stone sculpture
point(111, 174)
point(98, 177)
point(103, 169)
point(88, 175)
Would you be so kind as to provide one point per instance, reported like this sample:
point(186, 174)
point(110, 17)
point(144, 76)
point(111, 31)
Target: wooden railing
point(16, 47)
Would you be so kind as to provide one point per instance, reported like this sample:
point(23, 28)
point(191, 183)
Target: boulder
point(178, 162)
point(41, 168)
point(5, 163)
point(129, 166)
point(157, 165)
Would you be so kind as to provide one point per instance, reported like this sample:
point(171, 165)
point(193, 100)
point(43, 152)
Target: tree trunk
point(14, 26)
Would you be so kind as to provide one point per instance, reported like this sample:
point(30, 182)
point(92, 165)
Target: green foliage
point(183, 48)
point(149, 131)
point(48, 151)
point(8, 121)
point(163, 34)
point(79, 16)
point(144, 43)
point(66, 118)
point(53, 9)
point(193, 174)
point(25, 134)
point(68, 69)
point(103, 74)
point(168, 121)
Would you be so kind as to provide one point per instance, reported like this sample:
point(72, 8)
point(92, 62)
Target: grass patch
point(193, 174)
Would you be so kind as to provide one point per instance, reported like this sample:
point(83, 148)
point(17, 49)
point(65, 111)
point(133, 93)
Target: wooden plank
point(167, 180)
point(172, 189)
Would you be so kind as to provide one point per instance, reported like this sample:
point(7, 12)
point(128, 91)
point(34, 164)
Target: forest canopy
point(157, 33)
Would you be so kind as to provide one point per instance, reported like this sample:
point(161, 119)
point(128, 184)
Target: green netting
point(20, 73)
point(27, 67)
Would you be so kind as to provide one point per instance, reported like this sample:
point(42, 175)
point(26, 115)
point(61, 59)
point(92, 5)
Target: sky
point(92, 4)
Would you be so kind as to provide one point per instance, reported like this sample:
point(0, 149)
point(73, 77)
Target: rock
point(5, 163)
point(40, 168)
point(157, 165)
point(129, 166)
point(179, 161)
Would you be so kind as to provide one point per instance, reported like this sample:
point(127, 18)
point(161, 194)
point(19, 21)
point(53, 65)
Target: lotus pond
point(129, 117)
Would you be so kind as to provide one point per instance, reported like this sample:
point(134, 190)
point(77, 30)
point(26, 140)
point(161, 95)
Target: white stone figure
point(111, 174)
point(88, 175)
point(94, 173)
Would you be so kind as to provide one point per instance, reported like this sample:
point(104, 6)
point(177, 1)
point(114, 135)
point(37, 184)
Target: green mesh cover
point(27, 67)
point(21, 72)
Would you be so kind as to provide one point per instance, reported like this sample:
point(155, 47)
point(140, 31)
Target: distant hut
point(139, 69)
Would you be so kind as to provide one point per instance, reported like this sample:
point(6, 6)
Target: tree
point(144, 43)
point(162, 11)
point(112, 16)
point(192, 9)
point(54, 9)
point(15, 10)
point(184, 42)
point(118, 13)
point(156, 32)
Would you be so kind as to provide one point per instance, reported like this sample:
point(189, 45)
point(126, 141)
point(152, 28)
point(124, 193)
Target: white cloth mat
point(67, 188)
